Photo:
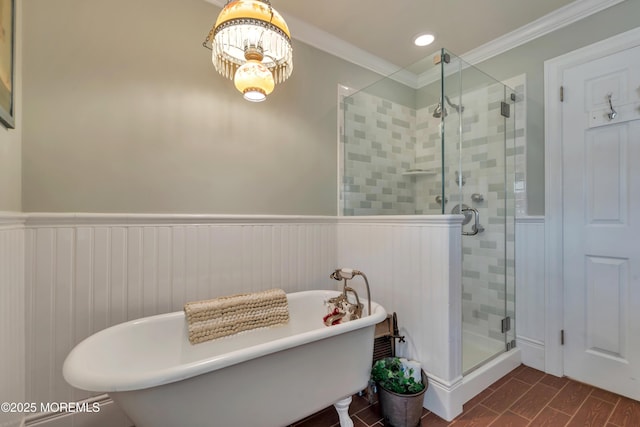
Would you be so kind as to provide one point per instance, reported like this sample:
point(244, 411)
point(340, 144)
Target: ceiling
point(387, 28)
point(378, 34)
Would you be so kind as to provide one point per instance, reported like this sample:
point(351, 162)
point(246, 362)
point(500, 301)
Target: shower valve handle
point(476, 226)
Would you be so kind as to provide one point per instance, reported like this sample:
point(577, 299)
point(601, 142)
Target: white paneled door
point(601, 222)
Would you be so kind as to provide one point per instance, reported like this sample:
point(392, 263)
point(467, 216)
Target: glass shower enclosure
point(444, 145)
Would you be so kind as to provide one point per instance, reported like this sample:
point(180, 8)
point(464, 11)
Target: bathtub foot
point(342, 407)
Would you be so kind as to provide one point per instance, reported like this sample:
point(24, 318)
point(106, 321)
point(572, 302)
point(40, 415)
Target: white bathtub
point(266, 377)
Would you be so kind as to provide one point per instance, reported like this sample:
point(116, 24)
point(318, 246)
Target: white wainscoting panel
point(530, 298)
point(414, 270)
point(87, 272)
point(12, 320)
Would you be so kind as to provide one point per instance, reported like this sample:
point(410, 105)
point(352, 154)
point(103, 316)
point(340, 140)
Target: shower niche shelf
point(419, 172)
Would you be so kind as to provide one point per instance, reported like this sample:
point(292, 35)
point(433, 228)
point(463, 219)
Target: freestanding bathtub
point(267, 377)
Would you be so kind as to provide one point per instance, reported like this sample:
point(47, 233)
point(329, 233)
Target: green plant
point(390, 375)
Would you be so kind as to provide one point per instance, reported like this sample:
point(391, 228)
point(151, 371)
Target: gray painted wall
point(123, 112)
point(10, 174)
point(529, 58)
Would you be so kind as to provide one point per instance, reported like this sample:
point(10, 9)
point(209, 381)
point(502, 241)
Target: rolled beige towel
point(228, 315)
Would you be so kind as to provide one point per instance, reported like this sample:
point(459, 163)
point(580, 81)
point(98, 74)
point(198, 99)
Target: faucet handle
point(343, 273)
point(347, 273)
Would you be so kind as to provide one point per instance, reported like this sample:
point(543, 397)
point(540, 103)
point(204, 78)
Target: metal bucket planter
point(402, 410)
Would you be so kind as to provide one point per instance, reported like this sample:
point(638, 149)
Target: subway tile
point(492, 163)
point(402, 123)
point(485, 244)
point(358, 118)
point(359, 157)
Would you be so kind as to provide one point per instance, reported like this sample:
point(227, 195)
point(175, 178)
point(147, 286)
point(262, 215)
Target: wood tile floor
point(524, 397)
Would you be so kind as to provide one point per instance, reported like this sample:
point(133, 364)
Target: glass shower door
point(444, 148)
point(478, 183)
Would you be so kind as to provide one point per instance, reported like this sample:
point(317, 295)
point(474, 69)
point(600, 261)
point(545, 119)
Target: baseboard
point(109, 415)
point(439, 397)
point(532, 352)
point(446, 400)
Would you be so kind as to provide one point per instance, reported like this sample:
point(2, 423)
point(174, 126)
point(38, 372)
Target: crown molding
point(556, 20)
point(333, 45)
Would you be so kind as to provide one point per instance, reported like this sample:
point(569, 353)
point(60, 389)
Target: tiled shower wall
point(383, 140)
point(428, 155)
point(380, 140)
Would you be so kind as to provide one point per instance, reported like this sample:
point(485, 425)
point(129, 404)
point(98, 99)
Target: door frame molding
point(553, 148)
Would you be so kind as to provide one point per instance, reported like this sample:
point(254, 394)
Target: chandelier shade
point(254, 80)
point(251, 33)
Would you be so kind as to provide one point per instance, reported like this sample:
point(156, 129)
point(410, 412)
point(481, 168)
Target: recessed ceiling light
point(424, 39)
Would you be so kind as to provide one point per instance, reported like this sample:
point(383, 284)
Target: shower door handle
point(476, 228)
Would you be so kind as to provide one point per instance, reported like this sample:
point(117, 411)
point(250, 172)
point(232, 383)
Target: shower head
point(439, 112)
point(459, 108)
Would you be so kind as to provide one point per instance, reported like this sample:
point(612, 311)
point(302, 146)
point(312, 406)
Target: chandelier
point(251, 45)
